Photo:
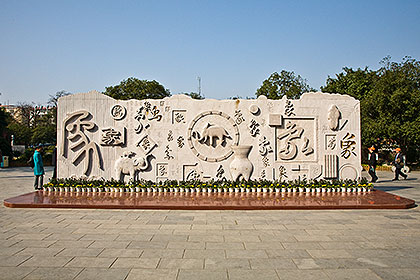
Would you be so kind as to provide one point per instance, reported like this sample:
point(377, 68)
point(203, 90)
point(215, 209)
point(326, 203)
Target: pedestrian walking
point(38, 168)
point(373, 161)
point(399, 164)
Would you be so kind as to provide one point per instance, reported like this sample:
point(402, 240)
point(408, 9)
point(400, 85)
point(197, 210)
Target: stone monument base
point(211, 201)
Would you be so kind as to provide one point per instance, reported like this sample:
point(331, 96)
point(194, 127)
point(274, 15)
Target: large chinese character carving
point(348, 145)
point(75, 126)
point(112, 137)
point(289, 149)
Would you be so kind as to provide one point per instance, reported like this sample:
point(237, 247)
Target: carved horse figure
point(128, 164)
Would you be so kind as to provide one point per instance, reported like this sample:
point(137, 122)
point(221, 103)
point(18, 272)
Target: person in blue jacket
point(38, 169)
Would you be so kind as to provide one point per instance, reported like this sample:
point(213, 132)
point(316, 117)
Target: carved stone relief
point(334, 116)
point(241, 166)
point(254, 128)
point(147, 144)
point(112, 137)
point(349, 172)
point(179, 116)
point(162, 170)
point(192, 172)
point(211, 134)
point(330, 142)
point(118, 112)
point(331, 166)
point(296, 140)
point(289, 109)
point(285, 134)
point(348, 145)
point(130, 164)
point(75, 125)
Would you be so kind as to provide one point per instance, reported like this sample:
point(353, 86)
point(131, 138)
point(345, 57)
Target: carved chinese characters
point(75, 127)
point(179, 138)
point(296, 140)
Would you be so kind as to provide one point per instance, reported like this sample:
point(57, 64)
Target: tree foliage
point(284, 84)
point(194, 95)
point(390, 102)
point(133, 88)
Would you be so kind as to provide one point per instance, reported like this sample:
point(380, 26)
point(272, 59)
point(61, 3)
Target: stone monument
point(179, 138)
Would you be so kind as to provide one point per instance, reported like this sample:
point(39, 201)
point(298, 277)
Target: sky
point(78, 46)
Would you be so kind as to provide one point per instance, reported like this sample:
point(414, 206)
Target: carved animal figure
point(334, 116)
point(128, 164)
point(211, 132)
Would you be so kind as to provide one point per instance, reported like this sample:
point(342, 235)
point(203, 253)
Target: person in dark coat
point(373, 161)
point(38, 169)
point(399, 164)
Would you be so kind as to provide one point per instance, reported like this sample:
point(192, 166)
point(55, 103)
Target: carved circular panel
point(118, 112)
point(347, 171)
point(211, 135)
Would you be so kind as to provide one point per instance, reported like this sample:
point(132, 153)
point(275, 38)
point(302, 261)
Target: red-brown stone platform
point(211, 201)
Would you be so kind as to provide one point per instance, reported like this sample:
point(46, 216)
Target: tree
point(4, 143)
point(194, 95)
point(133, 88)
point(44, 134)
point(53, 100)
point(284, 84)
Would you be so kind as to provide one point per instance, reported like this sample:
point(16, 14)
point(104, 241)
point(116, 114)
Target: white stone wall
point(317, 136)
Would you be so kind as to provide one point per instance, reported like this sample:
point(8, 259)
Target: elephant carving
point(210, 133)
point(128, 164)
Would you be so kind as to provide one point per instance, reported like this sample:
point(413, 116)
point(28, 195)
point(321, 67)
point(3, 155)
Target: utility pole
point(199, 85)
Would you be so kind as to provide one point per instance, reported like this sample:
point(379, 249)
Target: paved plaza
point(162, 244)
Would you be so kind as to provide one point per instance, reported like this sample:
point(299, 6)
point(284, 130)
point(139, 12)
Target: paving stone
point(153, 274)
point(272, 264)
point(306, 263)
point(224, 245)
point(80, 252)
point(109, 245)
point(43, 261)
point(205, 238)
point(222, 264)
point(121, 253)
point(286, 253)
point(62, 273)
point(71, 244)
point(350, 274)
point(91, 262)
point(301, 245)
point(182, 263)
point(49, 252)
point(302, 274)
point(163, 253)
point(397, 273)
point(204, 254)
point(185, 245)
point(147, 245)
point(135, 263)
point(266, 274)
point(10, 251)
point(329, 254)
point(201, 274)
point(246, 254)
point(8, 273)
point(103, 274)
